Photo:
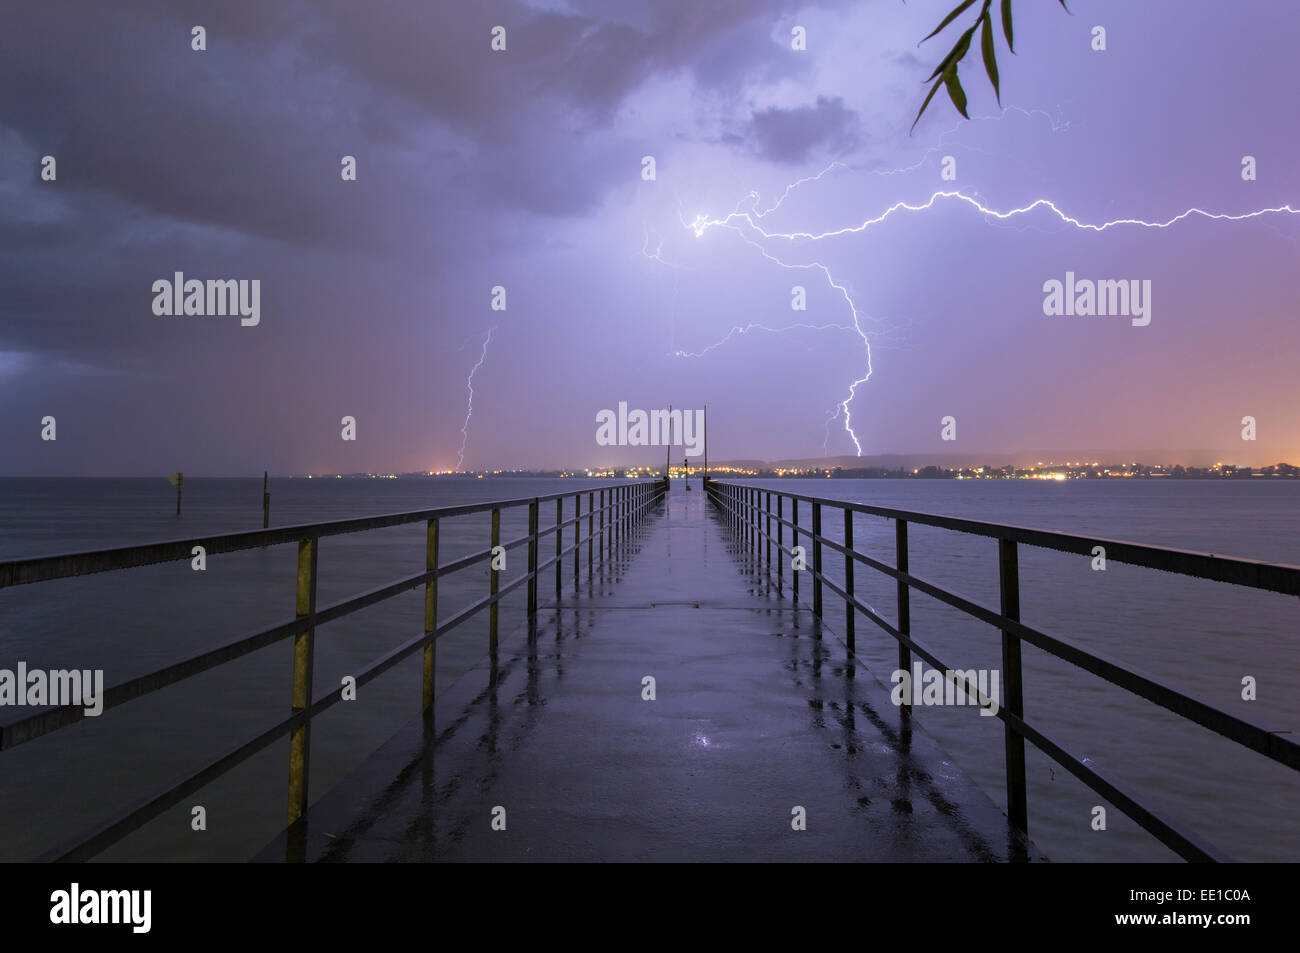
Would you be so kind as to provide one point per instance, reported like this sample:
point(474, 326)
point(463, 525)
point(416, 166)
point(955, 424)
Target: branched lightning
point(746, 220)
point(703, 224)
point(745, 329)
point(469, 387)
point(741, 218)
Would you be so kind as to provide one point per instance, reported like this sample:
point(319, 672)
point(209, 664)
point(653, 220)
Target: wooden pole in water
point(266, 503)
point(180, 478)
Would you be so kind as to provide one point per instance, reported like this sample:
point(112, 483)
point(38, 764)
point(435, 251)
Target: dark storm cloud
point(434, 54)
point(129, 110)
point(248, 135)
point(172, 158)
point(792, 135)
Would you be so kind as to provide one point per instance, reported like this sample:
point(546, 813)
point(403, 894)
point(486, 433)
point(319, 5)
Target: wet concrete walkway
point(755, 714)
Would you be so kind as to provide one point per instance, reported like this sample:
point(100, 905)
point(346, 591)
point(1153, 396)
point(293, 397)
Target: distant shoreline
point(1048, 472)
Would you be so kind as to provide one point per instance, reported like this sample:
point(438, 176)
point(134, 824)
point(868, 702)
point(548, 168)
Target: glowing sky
point(523, 169)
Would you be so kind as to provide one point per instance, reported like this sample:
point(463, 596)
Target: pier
point(681, 685)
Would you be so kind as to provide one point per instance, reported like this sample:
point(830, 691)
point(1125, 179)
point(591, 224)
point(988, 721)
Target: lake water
point(1199, 637)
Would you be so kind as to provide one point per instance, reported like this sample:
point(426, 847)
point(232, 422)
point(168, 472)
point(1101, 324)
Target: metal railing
point(620, 507)
point(748, 513)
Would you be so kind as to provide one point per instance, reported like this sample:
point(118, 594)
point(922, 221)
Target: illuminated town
point(1042, 470)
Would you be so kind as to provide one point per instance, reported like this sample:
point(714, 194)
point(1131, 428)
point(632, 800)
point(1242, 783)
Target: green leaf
point(990, 58)
point(1006, 24)
point(954, 55)
point(949, 18)
point(955, 92)
point(933, 89)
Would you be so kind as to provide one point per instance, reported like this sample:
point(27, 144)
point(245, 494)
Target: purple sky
point(523, 169)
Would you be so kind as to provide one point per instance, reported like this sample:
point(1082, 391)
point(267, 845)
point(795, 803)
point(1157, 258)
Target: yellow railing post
point(300, 737)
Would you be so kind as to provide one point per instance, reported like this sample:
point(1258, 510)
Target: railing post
point(794, 542)
point(752, 511)
point(817, 559)
point(780, 544)
point(532, 558)
point(591, 511)
point(494, 581)
point(746, 523)
point(303, 656)
point(559, 547)
point(430, 610)
point(602, 528)
point(850, 614)
point(1009, 577)
point(767, 508)
point(904, 603)
point(577, 538)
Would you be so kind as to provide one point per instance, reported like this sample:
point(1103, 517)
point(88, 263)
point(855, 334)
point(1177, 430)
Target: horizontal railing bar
point(133, 819)
point(61, 566)
point(48, 720)
point(1246, 733)
point(1187, 845)
point(1273, 577)
point(109, 832)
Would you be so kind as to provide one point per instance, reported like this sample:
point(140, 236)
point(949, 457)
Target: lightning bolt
point(469, 409)
point(818, 266)
point(750, 218)
point(702, 224)
point(746, 217)
point(1057, 125)
point(745, 329)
